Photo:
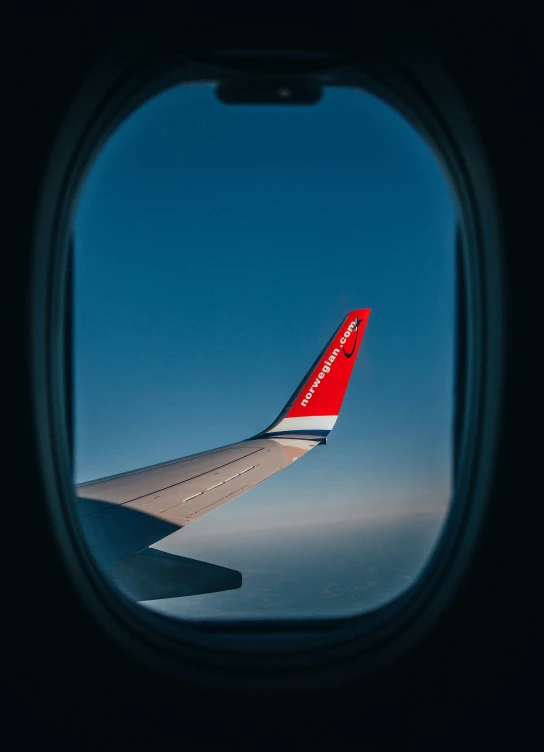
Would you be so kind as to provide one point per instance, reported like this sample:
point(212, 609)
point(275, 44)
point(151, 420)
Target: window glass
point(217, 248)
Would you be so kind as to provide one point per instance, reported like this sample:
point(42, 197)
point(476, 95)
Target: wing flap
point(154, 574)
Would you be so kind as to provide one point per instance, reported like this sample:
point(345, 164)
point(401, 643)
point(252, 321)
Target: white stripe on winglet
point(312, 423)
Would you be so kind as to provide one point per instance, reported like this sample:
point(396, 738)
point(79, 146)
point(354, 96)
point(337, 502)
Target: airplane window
point(264, 309)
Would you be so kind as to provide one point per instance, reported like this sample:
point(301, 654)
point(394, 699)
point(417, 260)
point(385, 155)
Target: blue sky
point(216, 250)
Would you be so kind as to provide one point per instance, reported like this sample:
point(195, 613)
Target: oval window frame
point(116, 90)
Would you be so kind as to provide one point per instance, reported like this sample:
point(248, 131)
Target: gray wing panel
point(123, 515)
point(118, 489)
point(182, 491)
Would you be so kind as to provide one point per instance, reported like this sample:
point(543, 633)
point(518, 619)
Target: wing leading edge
point(124, 514)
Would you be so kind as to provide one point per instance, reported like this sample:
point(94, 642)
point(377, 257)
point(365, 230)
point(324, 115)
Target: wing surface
point(122, 515)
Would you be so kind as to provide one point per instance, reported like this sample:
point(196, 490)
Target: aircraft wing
point(124, 514)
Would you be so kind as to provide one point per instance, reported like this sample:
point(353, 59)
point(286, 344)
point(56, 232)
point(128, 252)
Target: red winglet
point(323, 392)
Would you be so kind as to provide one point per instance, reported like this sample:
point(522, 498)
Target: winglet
point(314, 407)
